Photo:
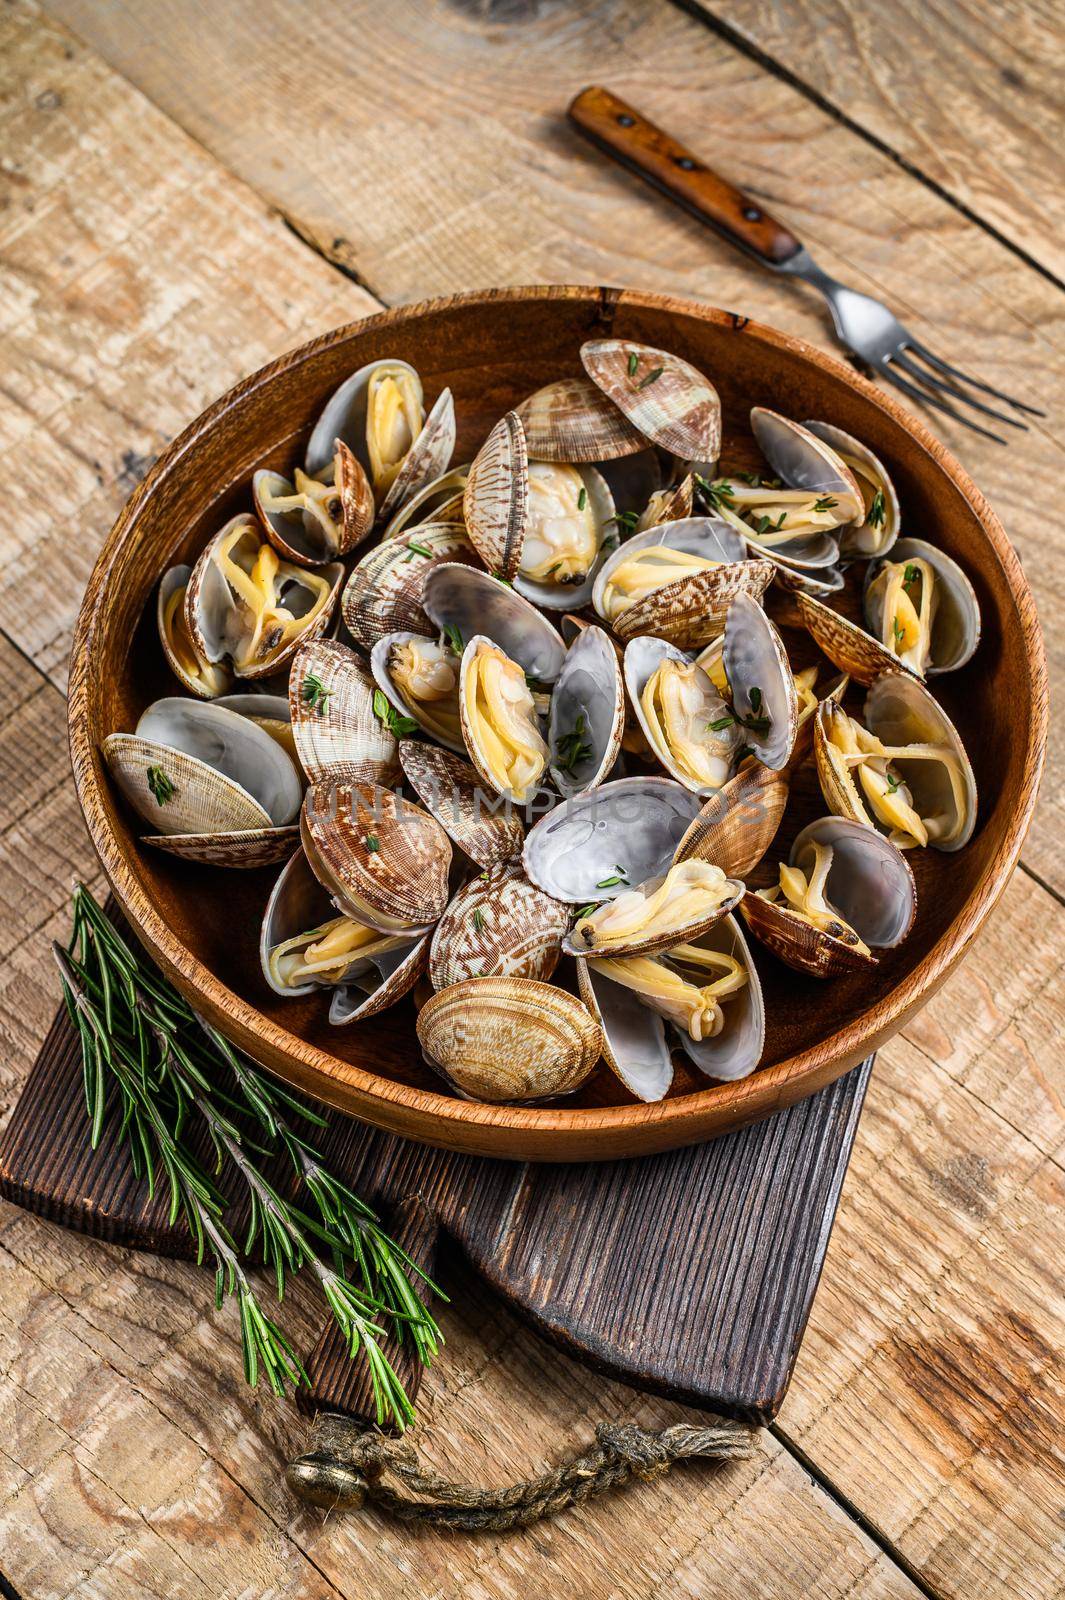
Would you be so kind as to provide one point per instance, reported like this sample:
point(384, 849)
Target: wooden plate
point(201, 924)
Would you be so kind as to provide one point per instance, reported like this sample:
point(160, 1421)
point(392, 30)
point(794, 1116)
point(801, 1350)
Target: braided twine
point(349, 1466)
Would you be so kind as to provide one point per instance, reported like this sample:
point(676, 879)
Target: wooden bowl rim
point(551, 1132)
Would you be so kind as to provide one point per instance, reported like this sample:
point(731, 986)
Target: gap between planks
point(746, 47)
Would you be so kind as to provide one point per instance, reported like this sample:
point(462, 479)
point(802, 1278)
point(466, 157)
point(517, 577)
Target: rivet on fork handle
point(645, 149)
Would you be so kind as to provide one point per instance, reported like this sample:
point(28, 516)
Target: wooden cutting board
point(690, 1274)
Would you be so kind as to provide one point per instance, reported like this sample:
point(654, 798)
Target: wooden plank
point(108, 1354)
point(970, 95)
point(122, 317)
point(462, 172)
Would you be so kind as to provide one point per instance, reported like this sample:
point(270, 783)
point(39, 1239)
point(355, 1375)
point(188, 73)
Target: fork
point(862, 324)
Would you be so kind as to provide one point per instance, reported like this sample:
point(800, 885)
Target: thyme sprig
point(141, 1039)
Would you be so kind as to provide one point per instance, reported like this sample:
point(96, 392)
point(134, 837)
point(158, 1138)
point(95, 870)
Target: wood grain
point(125, 1429)
point(970, 95)
point(509, 194)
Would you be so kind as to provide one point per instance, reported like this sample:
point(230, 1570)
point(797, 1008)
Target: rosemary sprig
point(141, 1039)
point(161, 785)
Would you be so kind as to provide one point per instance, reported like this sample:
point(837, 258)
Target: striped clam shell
point(498, 925)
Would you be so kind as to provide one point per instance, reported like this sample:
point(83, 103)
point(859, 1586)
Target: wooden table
point(189, 189)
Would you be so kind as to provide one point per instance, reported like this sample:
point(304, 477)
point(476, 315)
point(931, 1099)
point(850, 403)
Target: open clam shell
point(372, 980)
point(570, 514)
point(699, 751)
point(804, 461)
point(437, 717)
point(572, 420)
point(202, 678)
point(382, 859)
point(485, 826)
point(848, 647)
point(668, 505)
point(495, 501)
point(870, 885)
point(312, 521)
point(635, 1035)
point(499, 721)
point(498, 925)
point(587, 716)
point(788, 581)
point(439, 502)
point(212, 784)
point(461, 601)
point(802, 749)
point(509, 1039)
point(337, 735)
point(428, 457)
point(665, 397)
point(376, 432)
point(955, 626)
point(592, 934)
point(737, 825)
point(254, 619)
point(384, 592)
point(904, 716)
point(876, 531)
point(635, 823)
point(761, 682)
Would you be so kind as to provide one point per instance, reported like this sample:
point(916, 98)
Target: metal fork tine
point(963, 377)
point(886, 370)
point(923, 376)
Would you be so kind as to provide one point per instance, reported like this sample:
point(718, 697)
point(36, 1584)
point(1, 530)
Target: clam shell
point(211, 612)
point(382, 674)
point(566, 596)
point(298, 903)
point(632, 480)
point(496, 497)
point(384, 592)
point(509, 1039)
point(227, 774)
point(669, 505)
point(956, 623)
point(251, 847)
point(737, 825)
point(486, 827)
point(382, 859)
point(571, 420)
point(499, 925)
point(589, 685)
point(439, 502)
point(858, 539)
point(649, 944)
point(428, 457)
point(643, 657)
point(804, 461)
point(789, 581)
point(848, 647)
point(473, 602)
point(356, 498)
point(474, 745)
point(900, 710)
point(344, 417)
point(691, 612)
point(754, 658)
point(634, 1036)
point(678, 410)
point(571, 850)
point(340, 740)
point(803, 747)
point(737, 1049)
point(212, 680)
point(869, 883)
point(842, 796)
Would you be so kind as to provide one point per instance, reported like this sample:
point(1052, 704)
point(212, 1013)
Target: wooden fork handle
point(671, 168)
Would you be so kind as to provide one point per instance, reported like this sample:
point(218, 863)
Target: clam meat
point(658, 914)
point(499, 721)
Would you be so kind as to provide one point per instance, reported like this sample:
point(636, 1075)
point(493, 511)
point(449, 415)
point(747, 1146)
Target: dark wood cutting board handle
point(341, 1385)
point(638, 144)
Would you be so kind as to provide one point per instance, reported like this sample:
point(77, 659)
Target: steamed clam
point(248, 609)
point(902, 767)
point(569, 652)
point(499, 721)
